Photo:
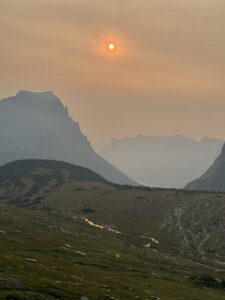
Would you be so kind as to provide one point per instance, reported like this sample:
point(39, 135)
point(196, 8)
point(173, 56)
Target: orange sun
point(111, 46)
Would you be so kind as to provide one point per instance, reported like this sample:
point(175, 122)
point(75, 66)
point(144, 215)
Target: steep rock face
point(213, 179)
point(166, 162)
point(38, 126)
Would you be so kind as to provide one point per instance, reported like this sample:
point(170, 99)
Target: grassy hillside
point(67, 239)
point(50, 256)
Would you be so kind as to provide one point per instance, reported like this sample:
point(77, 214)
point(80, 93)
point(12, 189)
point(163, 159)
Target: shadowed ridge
point(213, 179)
point(42, 167)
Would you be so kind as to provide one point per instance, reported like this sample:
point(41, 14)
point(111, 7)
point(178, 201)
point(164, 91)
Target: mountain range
point(165, 162)
point(38, 126)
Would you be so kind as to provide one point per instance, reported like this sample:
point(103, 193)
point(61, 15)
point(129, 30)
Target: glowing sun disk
point(111, 46)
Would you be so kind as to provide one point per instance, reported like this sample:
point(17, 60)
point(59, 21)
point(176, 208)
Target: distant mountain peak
point(23, 93)
point(47, 96)
point(28, 99)
point(37, 125)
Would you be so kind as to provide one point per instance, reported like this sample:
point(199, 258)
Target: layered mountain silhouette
point(213, 179)
point(38, 126)
point(163, 161)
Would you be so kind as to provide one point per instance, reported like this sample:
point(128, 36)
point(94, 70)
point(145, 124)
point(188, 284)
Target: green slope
point(52, 256)
point(68, 238)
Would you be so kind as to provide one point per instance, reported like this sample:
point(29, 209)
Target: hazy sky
point(167, 77)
